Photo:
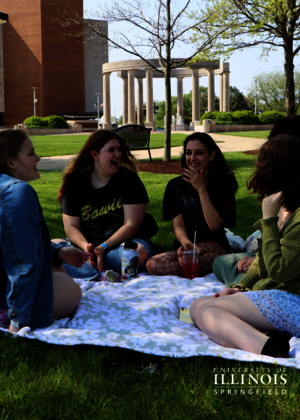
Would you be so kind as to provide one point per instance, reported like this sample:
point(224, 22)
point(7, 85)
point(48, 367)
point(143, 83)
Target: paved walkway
point(231, 144)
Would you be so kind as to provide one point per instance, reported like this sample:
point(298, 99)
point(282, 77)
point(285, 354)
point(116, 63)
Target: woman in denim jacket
point(32, 290)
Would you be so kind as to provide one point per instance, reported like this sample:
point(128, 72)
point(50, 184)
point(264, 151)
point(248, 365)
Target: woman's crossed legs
point(231, 321)
point(169, 263)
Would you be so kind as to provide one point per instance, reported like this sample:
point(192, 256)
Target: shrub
point(246, 117)
point(271, 117)
point(54, 121)
point(209, 115)
point(187, 120)
point(36, 122)
point(226, 118)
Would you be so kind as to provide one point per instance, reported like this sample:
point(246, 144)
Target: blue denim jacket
point(26, 283)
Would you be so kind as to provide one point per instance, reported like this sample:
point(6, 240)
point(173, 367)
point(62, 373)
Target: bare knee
point(195, 305)
point(67, 295)
point(143, 256)
point(58, 269)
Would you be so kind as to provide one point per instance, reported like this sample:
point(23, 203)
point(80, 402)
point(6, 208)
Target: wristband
point(105, 247)
point(15, 324)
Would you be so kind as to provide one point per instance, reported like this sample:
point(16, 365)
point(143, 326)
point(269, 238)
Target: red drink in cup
point(190, 264)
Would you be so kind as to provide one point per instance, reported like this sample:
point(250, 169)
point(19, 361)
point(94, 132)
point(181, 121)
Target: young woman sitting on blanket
point(33, 290)
point(103, 202)
point(267, 297)
point(231, 268)
point(200, 200)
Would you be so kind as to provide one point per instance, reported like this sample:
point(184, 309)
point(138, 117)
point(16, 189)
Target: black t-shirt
point(181, 197)
point(101, 209)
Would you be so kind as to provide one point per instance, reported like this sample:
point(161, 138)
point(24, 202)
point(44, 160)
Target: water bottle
point(129, 261)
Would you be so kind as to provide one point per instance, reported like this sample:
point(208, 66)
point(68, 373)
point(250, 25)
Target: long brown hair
point(10, 145)
point(220, 172)
point(84, 160)
point(277, 169)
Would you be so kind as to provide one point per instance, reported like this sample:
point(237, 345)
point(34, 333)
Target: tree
point(271, 90)
point(238, 102)
point(269, 23)
point(159, 29)
point(187, 106)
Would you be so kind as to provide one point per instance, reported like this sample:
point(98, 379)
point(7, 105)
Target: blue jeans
point(112, 261)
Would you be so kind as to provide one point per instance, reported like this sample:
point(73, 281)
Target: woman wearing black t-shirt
point(200, 200)
point(104, 202)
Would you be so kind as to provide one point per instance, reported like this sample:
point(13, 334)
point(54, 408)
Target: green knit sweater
point(277, 264)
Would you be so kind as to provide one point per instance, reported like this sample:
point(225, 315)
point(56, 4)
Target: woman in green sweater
point(261, 312)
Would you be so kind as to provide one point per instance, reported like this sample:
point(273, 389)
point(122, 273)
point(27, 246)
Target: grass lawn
point(61, 145)
point(42, 381)
point(254, 134)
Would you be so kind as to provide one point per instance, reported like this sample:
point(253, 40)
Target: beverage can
point(129, 261)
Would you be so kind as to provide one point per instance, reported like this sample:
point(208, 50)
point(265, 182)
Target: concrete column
point(226, 97)
point(149, 99)
point(211, 91)
point(179, 98)
point(131, 97)
point(221, 92)
point(195, 98)
point(106, 101)
point(125, 100)
point(140, 102)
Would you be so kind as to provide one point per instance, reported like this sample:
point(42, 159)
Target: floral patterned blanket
point(143, 315)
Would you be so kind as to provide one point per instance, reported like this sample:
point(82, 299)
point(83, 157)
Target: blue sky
point(243, 66)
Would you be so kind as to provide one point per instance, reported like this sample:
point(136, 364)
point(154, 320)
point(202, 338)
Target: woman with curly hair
point(261, 311)
point(200, 200)
point(103, 202)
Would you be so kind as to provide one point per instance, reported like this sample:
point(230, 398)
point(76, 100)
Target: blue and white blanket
point(143, 315)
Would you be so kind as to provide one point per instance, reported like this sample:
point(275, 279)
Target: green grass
point(61, 145)
point(43, 381)
point(254, 134)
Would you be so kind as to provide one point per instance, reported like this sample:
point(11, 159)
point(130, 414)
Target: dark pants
point(225, 268)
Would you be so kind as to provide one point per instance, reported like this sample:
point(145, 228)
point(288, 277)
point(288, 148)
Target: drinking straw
point(194, 248)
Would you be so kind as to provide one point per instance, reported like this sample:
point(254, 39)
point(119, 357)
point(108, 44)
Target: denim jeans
point(112, 261)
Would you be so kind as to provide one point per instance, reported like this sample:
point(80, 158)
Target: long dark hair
point(277, 169)
point(10, 145)
point(219, 172)
point(84, 160)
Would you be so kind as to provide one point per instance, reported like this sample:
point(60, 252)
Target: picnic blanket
point(143, 315)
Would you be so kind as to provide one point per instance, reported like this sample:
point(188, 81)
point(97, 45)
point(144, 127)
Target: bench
point(137, 136)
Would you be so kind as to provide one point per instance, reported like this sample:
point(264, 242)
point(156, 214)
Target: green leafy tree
point(271, 24)
point(271, 91)
point(154, 29)
point(238, 102)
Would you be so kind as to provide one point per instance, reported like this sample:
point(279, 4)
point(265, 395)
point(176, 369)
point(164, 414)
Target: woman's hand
point(194, 178)
point(245, 263)
point(226, 292)
point(74, 256)
point(271, 205)
point(185, 247)
point(89, 250)
point(99, 252)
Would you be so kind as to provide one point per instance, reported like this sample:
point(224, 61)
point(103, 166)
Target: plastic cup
point(190, 268)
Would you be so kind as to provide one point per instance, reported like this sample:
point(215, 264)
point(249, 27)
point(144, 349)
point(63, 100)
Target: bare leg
point(233, 321)
point(67, 295)
point(166, 263)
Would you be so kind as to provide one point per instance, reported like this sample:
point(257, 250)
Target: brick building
point(38, 53)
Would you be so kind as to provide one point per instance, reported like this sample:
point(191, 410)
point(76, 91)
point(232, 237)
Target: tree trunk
point(167, 71)
point(167, 152)
point(289, 76)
